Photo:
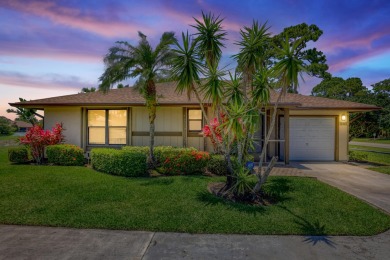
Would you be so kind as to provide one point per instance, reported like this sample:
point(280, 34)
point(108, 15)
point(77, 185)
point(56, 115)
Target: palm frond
point(186, 65)
point(209, 38)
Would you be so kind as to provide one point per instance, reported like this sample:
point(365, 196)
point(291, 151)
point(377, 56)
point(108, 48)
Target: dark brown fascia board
point(295, 106)
point(349, 109)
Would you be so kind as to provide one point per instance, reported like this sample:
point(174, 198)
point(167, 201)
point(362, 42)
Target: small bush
point(18, 155)
point(143, 149)
point(217, 165)
point(358, 157)
point(175, 161)
point(65, 154)
point(119, 162)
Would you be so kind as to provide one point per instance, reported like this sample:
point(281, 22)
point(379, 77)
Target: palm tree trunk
point(152, 117)
point(260, 176)
point(151, 104)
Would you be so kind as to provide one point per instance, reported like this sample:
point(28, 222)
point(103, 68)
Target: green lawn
point(382, 169)
point(372, 156)
point(371, 140)
point(83, 198)
point(370, 148)
point(7, 137)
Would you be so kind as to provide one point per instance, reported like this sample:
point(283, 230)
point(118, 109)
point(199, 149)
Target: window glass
point(194, 120)
point(97, 135)
point(117, 135)
point(194, 114)
point(96, 117)
point(117, 117)
point(195, 125)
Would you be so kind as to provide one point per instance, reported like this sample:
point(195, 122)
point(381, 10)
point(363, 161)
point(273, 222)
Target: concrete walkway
point(371, 144)
point(370, 186)
point(23, 242)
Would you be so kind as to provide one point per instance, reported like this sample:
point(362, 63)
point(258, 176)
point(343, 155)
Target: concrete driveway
point(370, 186)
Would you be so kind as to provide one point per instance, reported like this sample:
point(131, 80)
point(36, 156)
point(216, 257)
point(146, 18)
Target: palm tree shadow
point(212, 200)
point(278, 189)
point(315, 230)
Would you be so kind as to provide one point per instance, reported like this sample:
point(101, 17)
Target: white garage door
point(312, 138)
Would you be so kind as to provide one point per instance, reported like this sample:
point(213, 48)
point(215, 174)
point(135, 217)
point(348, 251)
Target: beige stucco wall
point(71, 119)
point(343, 128)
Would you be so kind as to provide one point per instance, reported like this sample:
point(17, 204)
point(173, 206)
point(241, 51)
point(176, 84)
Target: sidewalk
point(25, 242)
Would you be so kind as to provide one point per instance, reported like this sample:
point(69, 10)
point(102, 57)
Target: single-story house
point(308, 128)
point(23, 126)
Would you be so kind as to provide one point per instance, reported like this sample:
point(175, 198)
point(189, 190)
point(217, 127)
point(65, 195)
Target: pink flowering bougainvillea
point(215, 127)
point(37, 139)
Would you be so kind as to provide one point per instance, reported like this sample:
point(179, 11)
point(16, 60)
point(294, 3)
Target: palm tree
point(26, 114)
point(125, 61)
point(287, 70)
point(252, 52)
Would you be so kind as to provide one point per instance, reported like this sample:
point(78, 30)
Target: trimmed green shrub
point(18, 155)
point(119, 162)
point(357, 157)
point(217, 165)
point(143, 149)
point(176, 161)
point(65, 154)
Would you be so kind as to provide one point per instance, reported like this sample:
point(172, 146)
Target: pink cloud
point(334, 44)
point(41, 82)
point(75, 18)
point(25, 51)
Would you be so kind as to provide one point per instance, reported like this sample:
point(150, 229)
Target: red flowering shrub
point(37, 139)
point(215, 126)
point(184, 161)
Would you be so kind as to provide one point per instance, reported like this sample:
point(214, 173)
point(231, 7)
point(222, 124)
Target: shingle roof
point(167, 96)
point(19, 123)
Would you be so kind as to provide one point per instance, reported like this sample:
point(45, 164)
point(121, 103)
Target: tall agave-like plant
point(287, 70)
point(125, 61)
point(252, 51)
point(209, 39)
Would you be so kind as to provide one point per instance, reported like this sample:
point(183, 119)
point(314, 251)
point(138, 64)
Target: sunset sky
point(52, 48)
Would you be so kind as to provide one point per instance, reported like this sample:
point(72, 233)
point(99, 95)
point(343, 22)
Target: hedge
point(217, 165)
point(142, 149)
point(18, 155)
point(177, 161)
point(65, 154)
point(119, 162)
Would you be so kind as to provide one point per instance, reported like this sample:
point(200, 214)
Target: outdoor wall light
point(343, 118)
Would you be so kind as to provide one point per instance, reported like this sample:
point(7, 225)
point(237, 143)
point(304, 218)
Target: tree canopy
point(352, 89)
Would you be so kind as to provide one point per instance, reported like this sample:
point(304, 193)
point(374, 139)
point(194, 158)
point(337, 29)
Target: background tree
point(381, 91)
point(125, 61)
point(7, 127)
point(352, 89)
point(313, 60)
point(26, 114)
point(87, 90)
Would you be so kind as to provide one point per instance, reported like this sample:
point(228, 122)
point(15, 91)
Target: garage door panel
point(312, 138)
